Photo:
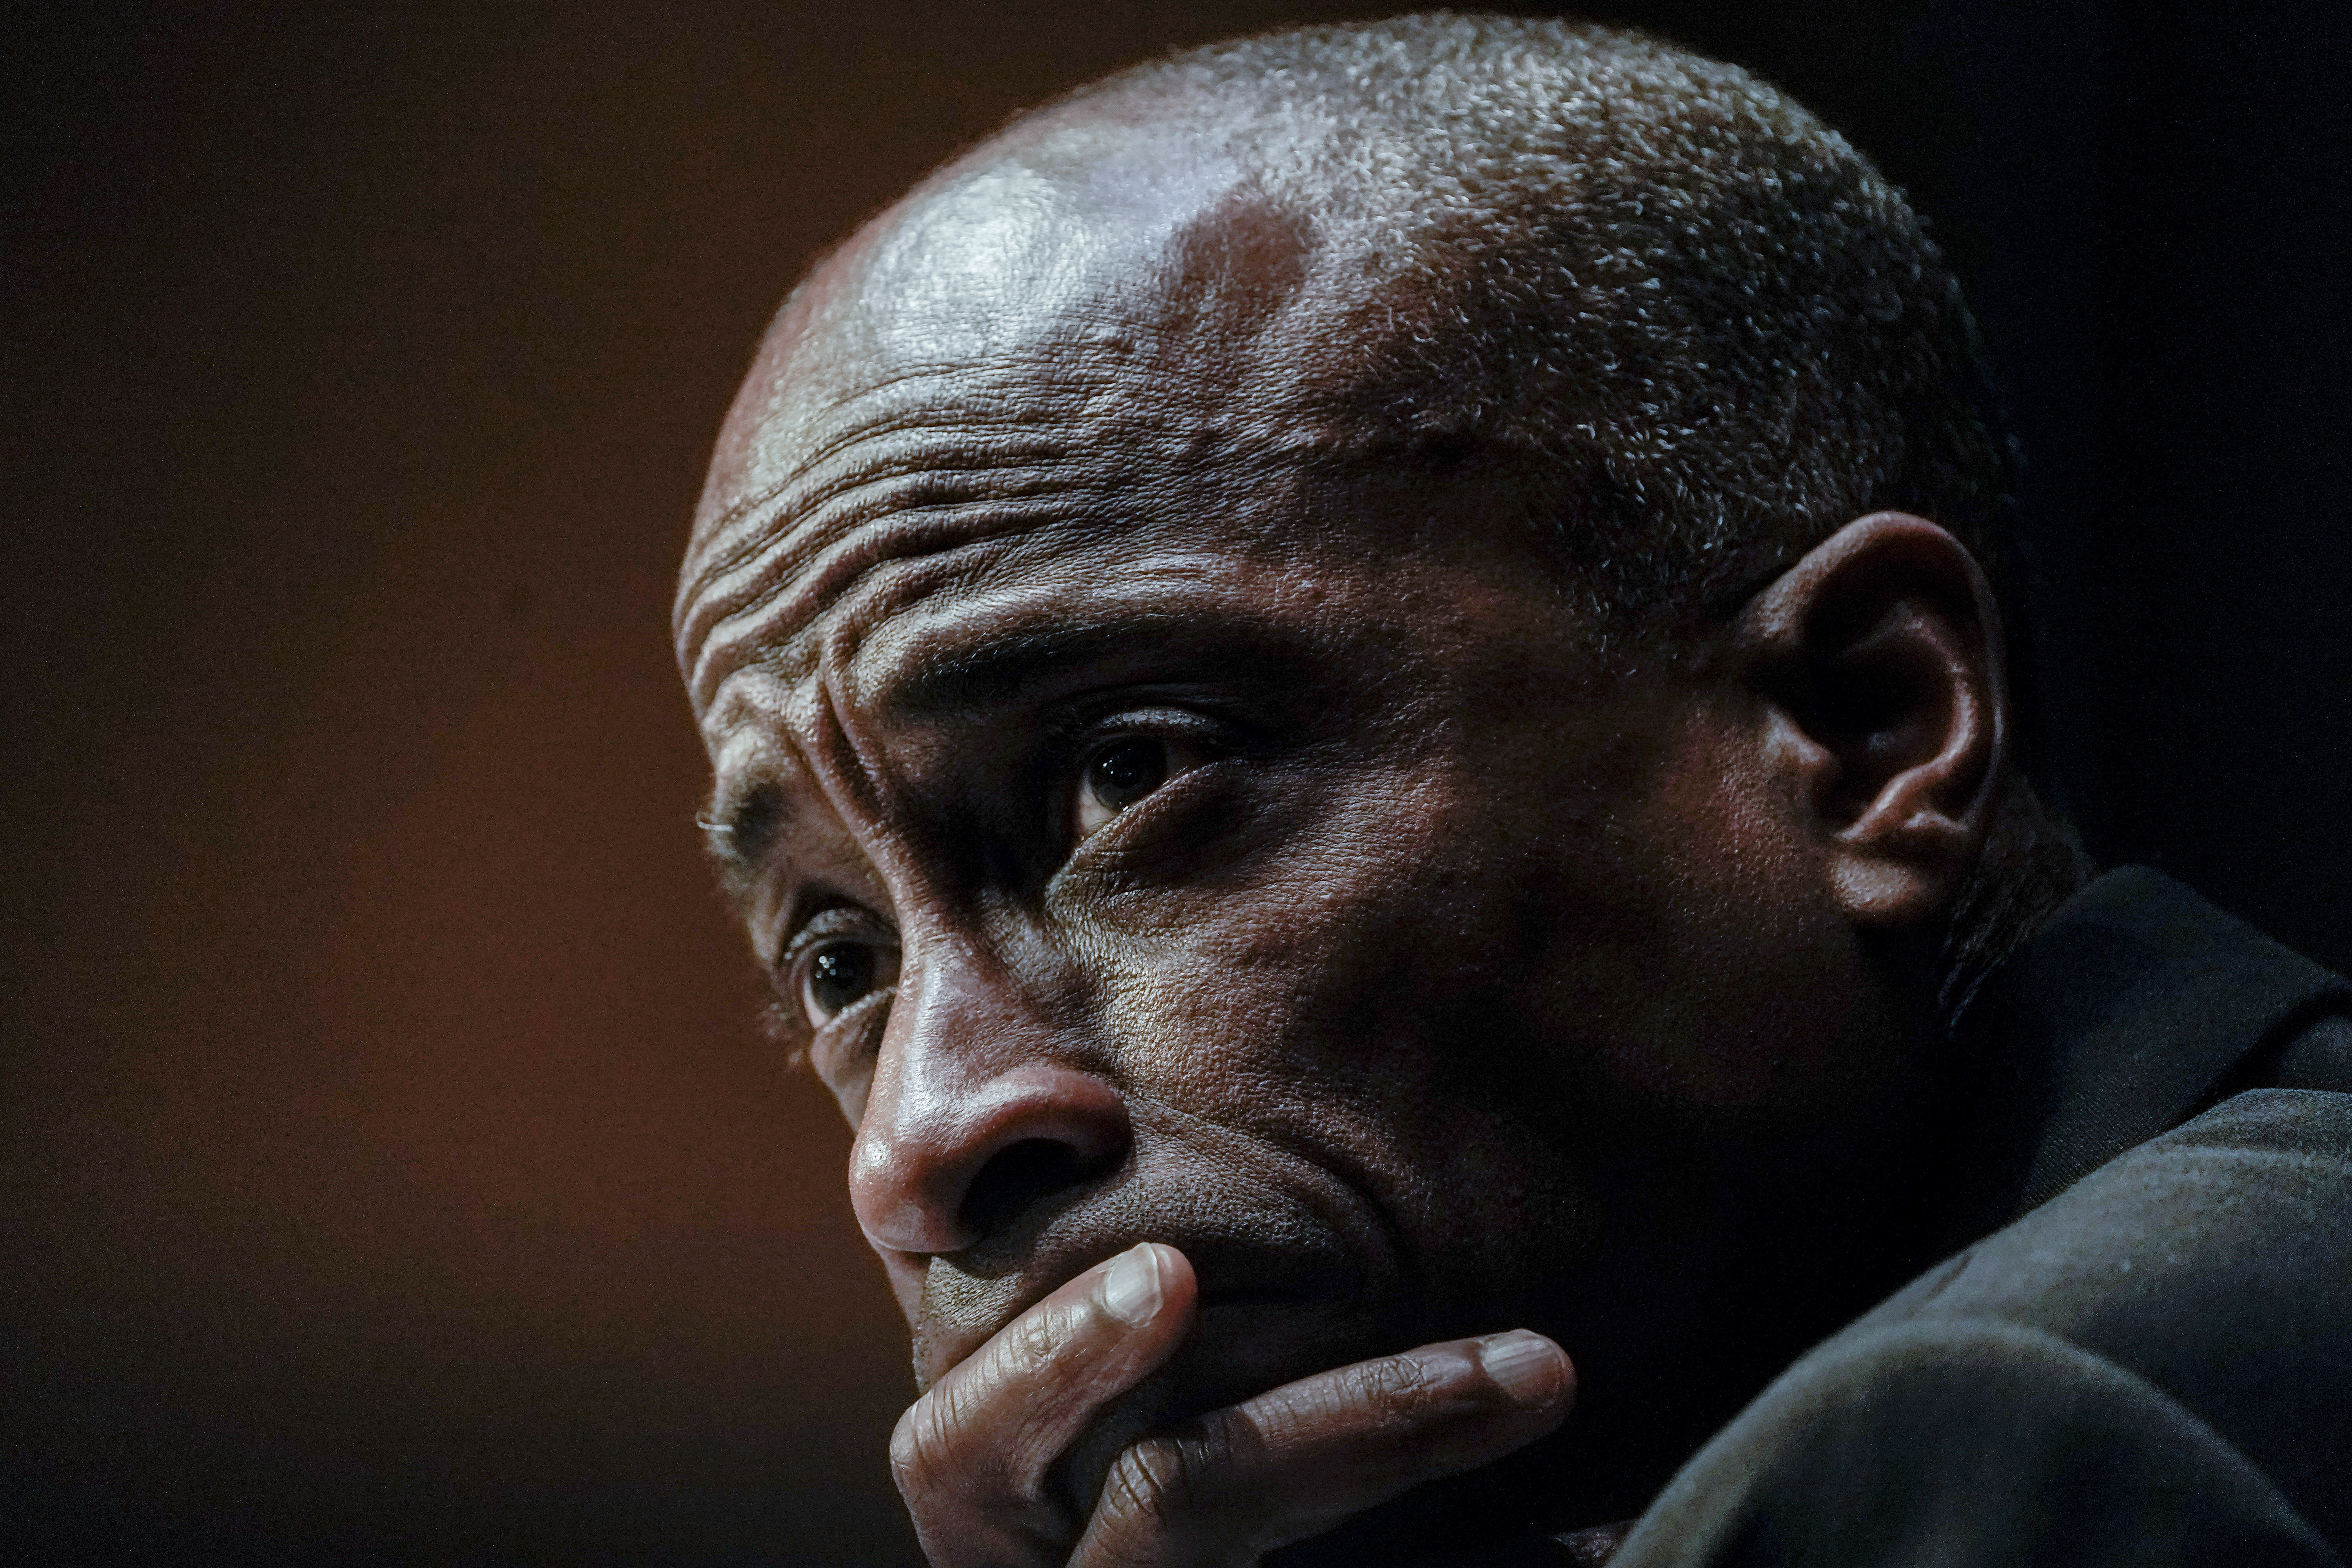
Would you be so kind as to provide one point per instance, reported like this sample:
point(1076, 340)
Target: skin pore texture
point(1165, 825)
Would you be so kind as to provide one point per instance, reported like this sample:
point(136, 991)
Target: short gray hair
point(1702, 323)
point(1715, 327)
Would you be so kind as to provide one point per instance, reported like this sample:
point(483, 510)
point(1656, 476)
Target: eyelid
point(829, 922)
point(833, 923)
point(1176, 726)
point(1117, 835)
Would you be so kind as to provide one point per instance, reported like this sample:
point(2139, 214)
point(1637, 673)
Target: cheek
point(1359, 1001)
point(1723, 982)
point(1322, 963)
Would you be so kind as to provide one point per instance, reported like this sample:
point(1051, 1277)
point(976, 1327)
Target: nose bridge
point(977, 1107)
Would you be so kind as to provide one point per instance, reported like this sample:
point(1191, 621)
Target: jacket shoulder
point(1968, 1442)
point(2214, 1263)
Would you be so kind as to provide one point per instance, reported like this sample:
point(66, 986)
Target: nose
point(971, 1119)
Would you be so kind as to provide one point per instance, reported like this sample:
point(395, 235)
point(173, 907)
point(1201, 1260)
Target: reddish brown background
point(391, 1171)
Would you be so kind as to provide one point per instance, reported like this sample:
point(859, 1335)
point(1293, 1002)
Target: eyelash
point(822, 928)
point(1179, 731)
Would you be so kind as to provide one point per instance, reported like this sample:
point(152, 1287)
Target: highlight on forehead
point(864, 436)
point(978, 264)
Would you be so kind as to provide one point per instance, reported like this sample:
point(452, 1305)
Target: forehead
point(1039, 262)
point(1080, 340)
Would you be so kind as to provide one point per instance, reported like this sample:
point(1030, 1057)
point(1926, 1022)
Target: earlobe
point(1878, 660)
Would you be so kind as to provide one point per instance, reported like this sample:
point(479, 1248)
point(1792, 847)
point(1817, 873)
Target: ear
point(1878, 659)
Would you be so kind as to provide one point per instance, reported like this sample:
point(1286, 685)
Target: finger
point(973, 1456)
point(1298, 1460)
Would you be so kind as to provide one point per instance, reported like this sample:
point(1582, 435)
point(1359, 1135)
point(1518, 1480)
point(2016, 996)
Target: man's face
point(1154, 835)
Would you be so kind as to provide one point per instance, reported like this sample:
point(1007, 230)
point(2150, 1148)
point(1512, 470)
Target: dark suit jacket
point(2145, 1355)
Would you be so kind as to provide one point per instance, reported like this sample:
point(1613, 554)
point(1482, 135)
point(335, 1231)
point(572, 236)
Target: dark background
point(391, 1171)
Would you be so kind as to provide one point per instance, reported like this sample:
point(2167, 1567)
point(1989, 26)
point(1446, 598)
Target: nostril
point(1021, 1176)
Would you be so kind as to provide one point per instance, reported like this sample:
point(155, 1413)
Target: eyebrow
point(995, 667)
point(959, 667)
point(741, 826)
point(962, 671)
point(738, 830)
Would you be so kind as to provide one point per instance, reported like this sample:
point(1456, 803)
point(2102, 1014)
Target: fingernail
point(1130, 1290)
point(1524, 1366)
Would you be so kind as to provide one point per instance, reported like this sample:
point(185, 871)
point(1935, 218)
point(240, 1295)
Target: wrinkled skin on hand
point(978, 1456)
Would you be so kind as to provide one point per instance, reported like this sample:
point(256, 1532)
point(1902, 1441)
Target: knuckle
point(1148, 1481)
point(1401, 1385)
point(1034, 1339)
point(1173, 1480)
point(950, 1450)
point(919, 1448)
point(910, 1443)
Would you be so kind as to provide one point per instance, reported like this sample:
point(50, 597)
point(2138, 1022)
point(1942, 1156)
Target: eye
point(1117, 774)
point(837, 975)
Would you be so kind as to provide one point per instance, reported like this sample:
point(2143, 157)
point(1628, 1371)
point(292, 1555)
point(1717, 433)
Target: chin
point(1239, 1348)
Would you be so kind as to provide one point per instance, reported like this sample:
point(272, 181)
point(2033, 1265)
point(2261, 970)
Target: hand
point(975, 1457)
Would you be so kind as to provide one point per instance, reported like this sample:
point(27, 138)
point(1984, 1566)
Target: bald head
point(1694, 326)
point(1078, 302)
point(1091, 256)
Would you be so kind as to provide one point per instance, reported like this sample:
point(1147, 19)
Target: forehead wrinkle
point(773, 628)
point(847, 778)
point(1092, 384)
point(803, 513)
point(966, 439)
point(1123, 360)
point(915, 502)
point(981, 648)
point(799, 528)
point(1082, 375)
point(971, 403)
point(974, 454)
point(872, 614)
